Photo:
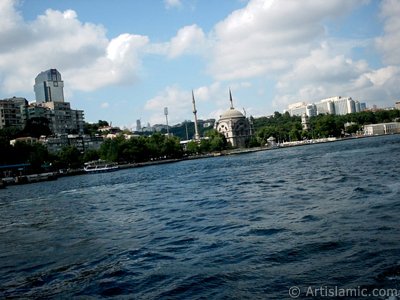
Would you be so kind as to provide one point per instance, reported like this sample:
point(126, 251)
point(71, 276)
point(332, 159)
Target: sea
point(319, 221)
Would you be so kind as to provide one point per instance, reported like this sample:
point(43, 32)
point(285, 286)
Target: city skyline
point(128, 62)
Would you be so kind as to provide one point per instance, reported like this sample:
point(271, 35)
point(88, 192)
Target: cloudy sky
point(126, 60)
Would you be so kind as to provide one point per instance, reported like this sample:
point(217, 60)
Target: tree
point(36, 127)
point(192, 148)
point(91, 155)
point(217, 141)
point(70, 157)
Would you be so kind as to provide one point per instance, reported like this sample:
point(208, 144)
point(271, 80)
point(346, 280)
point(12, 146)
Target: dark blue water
point(238, 227)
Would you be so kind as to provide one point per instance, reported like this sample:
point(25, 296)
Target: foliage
point(140, 149)
point(180, 130)
point(92, 129)
point(35, 154)
point(70, 157)
point(36, 127)
point(286, 128)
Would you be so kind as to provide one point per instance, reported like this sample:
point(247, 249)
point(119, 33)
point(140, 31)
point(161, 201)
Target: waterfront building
point(13, 112)
point(382, 128)
point(334, 105)
point(234, 126)
point(81, 142)
point(49, 87)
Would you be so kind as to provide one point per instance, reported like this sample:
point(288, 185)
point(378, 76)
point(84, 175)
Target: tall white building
point(334, 105)
point(49, 87)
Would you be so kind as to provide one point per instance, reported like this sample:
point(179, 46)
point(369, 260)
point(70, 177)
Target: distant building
point(63, 119)
point(49, 87)
point(397, 105)
point(13, 112)
point(27, 140)
point(305, 123)
point(81, 142)
point(236, 128)
point(297, 109)
point(382, 128)
point(50, 104)
point(334, 106)
point(138, 125)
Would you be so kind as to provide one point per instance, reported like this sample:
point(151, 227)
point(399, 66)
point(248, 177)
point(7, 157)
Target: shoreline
point(50, 176)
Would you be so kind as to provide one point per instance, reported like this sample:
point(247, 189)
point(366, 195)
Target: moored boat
point(99, 166)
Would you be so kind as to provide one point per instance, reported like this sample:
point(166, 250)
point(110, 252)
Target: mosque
point(234, 125)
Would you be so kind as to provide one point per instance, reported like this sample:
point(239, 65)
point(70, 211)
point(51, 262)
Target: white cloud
point(325, 73)
point(105, 105)
point(268, 36)
point(118, 66)
point(211, 101)
point(172, 4)
point(189, 39)
point(81, 51)
point(389, 43)
point(177, 100)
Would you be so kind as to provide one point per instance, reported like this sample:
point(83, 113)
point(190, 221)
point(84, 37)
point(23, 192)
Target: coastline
point(49, 176)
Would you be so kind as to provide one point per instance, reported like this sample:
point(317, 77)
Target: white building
point(382, 128)
point(334, 105)
point(297, 109)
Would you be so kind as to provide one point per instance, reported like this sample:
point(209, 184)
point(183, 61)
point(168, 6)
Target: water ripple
point(235, 227)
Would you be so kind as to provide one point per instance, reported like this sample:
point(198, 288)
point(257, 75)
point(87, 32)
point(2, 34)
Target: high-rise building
point(49, 92)
point(49, 87)
point(138, 125)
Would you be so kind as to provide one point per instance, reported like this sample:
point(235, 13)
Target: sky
point(126, 60)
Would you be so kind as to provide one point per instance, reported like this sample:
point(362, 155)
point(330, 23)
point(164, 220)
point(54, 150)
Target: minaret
point(196, 134)
point(230, 98)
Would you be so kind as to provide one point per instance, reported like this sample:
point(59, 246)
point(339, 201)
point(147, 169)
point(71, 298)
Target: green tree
point(36, 127)
point(192, 148)
point(91, 155)
point(70, 157)
point(216, 141)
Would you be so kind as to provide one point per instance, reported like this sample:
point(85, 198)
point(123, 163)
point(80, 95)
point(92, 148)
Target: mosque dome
point(231, 114)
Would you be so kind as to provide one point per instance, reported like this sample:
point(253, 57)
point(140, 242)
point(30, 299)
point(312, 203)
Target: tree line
point(119, 149)
point(282, 127)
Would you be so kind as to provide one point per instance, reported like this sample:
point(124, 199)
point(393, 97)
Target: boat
point(100, 166)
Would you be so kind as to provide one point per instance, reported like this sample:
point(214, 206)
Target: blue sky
point(127, 60)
